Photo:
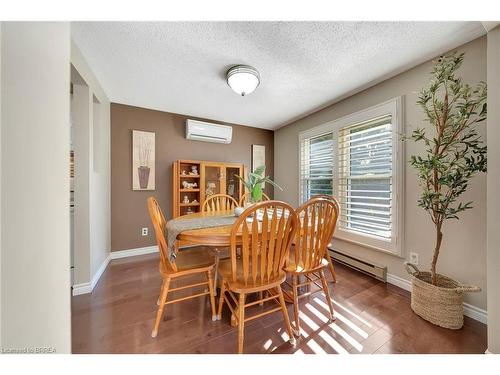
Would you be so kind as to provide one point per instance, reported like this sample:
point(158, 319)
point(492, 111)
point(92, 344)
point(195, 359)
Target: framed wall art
point(143, 160)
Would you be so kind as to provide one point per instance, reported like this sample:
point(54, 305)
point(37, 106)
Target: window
point(359, 159)
point(316, 166)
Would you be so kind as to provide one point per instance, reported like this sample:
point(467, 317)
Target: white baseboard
point(85, 288)
point(469, 310)
point(133, 252)
point(475, 313)
point(100, 271)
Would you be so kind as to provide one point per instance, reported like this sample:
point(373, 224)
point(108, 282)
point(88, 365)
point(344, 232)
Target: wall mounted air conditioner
point(206, 132)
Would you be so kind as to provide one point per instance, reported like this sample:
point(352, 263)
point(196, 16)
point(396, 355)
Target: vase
point(143, 172)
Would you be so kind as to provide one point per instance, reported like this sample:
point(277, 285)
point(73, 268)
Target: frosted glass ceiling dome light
point(243, 79)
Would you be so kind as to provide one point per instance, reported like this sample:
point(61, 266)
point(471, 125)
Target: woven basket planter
point(440, 304)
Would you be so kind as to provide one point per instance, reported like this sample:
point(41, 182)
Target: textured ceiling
point(180, 66)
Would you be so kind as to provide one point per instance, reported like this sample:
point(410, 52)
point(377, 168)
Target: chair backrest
point(159, 223)
point(219, 202)
point(317, 220)
point(264, 233)
point(245, 196)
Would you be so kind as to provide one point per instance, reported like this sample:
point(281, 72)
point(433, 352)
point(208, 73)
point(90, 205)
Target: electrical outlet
point(414, 258)
point(144, 231)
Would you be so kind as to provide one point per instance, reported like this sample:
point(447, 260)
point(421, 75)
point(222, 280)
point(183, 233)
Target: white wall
point(35, 186)
point(0, 185)
point(493, 214)
point(81, 111)
point(463, 254)
point(95, 189)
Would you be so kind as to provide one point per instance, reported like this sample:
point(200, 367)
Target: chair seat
point(240, 286)
point(194, 259)
point(292, 267)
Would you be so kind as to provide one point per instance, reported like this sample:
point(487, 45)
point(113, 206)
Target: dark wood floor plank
point(372, 317)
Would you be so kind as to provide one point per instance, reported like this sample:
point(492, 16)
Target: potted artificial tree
point(454, 153)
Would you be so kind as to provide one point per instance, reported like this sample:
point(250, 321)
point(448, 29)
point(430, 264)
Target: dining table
point(219, 236)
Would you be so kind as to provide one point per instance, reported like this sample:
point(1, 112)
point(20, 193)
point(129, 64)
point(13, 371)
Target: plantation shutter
point(316, 166)
point(365, 177)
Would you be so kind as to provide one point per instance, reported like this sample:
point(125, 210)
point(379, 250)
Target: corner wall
point(93, 184)
point(463, 255)
point(493, 211)
point(35, 274)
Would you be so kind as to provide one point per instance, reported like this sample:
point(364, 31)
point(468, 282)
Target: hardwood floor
point(372, 317)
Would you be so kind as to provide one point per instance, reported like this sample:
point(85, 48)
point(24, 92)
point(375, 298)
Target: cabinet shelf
point(211, 176)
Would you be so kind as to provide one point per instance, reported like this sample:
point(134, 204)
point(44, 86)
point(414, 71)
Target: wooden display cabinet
point(211, 178)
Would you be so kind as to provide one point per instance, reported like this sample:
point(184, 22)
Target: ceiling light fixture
point(243, 79)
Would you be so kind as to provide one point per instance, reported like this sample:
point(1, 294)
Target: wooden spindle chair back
point(159, 224)
point(317, 221)
point(245, 197)
point(264, 245)
point(263, 235)
point(219, 202)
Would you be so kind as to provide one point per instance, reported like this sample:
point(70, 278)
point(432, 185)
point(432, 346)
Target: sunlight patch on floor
point(316, 299)
point(340, 331)
point(335, 345)
point(339, 316)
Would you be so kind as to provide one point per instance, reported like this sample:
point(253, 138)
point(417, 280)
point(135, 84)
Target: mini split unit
point(207, 132)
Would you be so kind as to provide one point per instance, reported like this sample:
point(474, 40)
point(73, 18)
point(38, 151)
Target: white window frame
point(394, 107)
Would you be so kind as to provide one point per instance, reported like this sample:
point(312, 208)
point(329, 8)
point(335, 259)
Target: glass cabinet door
point(213, 180)
point(233, 182)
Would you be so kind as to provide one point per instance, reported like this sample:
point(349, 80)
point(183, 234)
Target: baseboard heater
point(377, 271)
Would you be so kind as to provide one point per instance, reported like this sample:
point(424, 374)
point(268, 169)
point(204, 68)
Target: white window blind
point(359, 160)
point(365, 177)
point(316, 166)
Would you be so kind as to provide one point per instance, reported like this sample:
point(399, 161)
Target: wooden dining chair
point(264, 247)
point(187, 263)
point(327, 254)
point(245, 196)
point(317, 220)
point(219, 202)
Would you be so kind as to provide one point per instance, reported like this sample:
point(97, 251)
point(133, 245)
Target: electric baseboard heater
point(377, 271)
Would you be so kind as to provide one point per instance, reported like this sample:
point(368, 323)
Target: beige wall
point(463, 255)
point(128, 208)
point(91, 116)
point(81, 112)
point(493, 269)
point(35, 186)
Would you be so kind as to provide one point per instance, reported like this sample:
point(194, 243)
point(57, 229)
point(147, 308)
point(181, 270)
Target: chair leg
point(212, 294)
point(261, 296)
point(159, 295)
point(241, 322)
point(330, 267)
point(327, 294)
point(285, 316)
point(295, 294)
point(221, 299)
point(216, 273)
point(159, 314)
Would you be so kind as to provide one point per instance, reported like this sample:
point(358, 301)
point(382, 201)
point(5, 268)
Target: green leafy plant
point(454, 150)
point(254, 183)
